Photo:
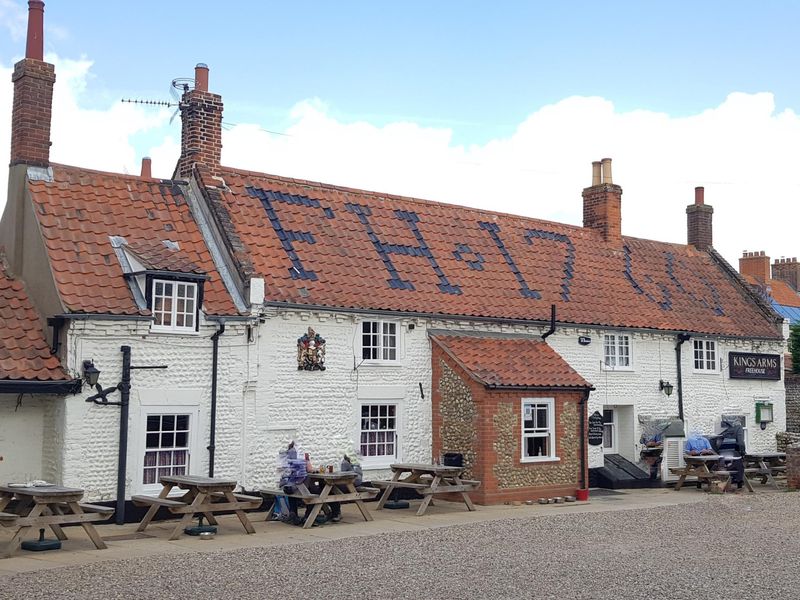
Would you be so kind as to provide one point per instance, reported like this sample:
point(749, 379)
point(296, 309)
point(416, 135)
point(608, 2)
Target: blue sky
point(455, 81)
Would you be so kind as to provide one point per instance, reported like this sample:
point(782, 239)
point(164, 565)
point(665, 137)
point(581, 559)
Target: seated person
point(650, 454)
point(349, 463)
point(696, 444)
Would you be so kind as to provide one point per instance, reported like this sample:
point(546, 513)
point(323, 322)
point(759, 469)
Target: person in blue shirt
point(697, 444)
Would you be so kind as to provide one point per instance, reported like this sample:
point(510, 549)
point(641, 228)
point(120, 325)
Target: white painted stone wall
point(263, 400)
point(88, 435)
point(706, 396)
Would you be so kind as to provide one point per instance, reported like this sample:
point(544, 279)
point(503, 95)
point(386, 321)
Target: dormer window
point(174, 305)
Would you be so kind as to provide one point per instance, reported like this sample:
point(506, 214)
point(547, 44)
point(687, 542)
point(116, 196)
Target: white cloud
point(14, 18)
point(742, 151)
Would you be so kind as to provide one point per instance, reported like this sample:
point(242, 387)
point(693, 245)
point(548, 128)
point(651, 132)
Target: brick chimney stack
point(201, 133)
point(755, 264)
point(33, 96)
point(787, 270)
point(602, 203)
point(698, 221)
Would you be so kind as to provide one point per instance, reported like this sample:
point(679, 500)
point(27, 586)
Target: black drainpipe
point(682, 337)
point(584, 418)
point(124, 388)
point(214, 364)
point(552, 323)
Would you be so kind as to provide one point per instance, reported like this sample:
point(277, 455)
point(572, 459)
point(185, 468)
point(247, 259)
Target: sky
point(498, 105)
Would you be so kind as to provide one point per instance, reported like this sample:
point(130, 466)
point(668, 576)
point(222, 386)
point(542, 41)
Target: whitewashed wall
point(88, 435)
point(21, 437)
point(263, 400)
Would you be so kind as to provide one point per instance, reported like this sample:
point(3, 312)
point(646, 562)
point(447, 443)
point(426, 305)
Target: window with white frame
point(379, 431)
point(166, 446)
point(538, 429)
point(705, 355)
point(617, 351)
point(379, 341)
point(174, 305)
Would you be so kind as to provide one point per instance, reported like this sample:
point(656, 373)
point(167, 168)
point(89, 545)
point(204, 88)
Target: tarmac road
point(728, 547)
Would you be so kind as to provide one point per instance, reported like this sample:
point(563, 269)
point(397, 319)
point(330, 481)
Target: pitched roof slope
point(322, 245)
point(80, 209)
point(24, 353)
point(510, 361)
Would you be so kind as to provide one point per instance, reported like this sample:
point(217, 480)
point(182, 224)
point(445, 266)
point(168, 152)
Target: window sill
point(618, 369)
point(542, 459)
point(192, 332)
point(392, 364)
point(705, 372)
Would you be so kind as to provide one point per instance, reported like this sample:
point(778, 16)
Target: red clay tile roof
point(80, 209)
point(157, 256)
point(780, 291)
point(510, 361)
point(24, 353)
point(322, 245)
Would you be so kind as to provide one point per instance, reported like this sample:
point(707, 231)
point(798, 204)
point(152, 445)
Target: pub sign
point(745, 365)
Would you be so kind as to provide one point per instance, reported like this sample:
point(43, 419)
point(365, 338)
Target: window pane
point(181, 440)
point(152, 440)
point(541, 417)
point(168, 423)
point(153, 423)
point(608, 436)
point(167, 440)
point(608, 415)
point(182, 422)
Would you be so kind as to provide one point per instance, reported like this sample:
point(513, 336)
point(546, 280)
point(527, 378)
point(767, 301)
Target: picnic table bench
point(337, 487)
point(427, 480)
point(203, 496)
point(698, 466)
point(766, 466)
point(50, 506)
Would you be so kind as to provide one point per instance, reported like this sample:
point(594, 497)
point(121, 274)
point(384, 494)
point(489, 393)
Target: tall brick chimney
point(755, 264)
point(787, 270)
point(33, 96)
point(602, 203)
point(698, 221)
point(201, 133)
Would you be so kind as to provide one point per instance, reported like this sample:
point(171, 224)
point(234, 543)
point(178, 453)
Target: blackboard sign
point(745, 365)
point(595, 429)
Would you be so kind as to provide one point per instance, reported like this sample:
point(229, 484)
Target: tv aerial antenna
point(182, 84)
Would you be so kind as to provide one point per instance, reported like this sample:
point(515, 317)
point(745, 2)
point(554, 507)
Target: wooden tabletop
point(197, 480)
point(426, 468)
point(701, 457)
point(335, 476)
point(40, 490)
point(766, 454)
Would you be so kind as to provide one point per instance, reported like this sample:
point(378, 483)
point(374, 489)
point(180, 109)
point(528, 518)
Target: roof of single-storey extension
point(323, 245)
point(80, 210)
point(24, 353)
point(506, 361)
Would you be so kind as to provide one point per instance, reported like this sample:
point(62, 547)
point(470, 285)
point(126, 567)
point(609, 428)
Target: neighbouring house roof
point(780, 295)
point(80, 210)
point(506, 361)
point(322, 245)
point(24, 352)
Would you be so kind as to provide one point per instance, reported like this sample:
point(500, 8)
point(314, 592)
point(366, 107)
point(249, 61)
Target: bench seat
point(4, 516)
point(155, 500)
point(401, 484)
point(95, 508)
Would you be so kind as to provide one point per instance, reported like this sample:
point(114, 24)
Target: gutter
point(27, 386)
point(552, 329)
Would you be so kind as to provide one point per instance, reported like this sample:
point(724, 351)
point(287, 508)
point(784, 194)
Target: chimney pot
point(201, 77)
point(34, 46)
point(606, 166)
point(699, 222)
point(699, 195)
point(596, 173)
point(146, 168)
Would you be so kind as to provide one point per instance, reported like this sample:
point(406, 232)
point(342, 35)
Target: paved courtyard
point(649, 544)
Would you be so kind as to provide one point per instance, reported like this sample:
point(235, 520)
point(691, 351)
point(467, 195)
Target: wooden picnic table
point(698, 466)
point(427, 480)
point(202, 496)
point(765, 465)
point(50, 506)
point(337, 487)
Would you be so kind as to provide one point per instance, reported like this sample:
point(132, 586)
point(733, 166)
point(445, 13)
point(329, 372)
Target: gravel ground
point(711, 549)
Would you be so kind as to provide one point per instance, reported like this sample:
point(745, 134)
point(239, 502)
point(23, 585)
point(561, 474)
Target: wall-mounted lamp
point(666, 387)
point(90, 373)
